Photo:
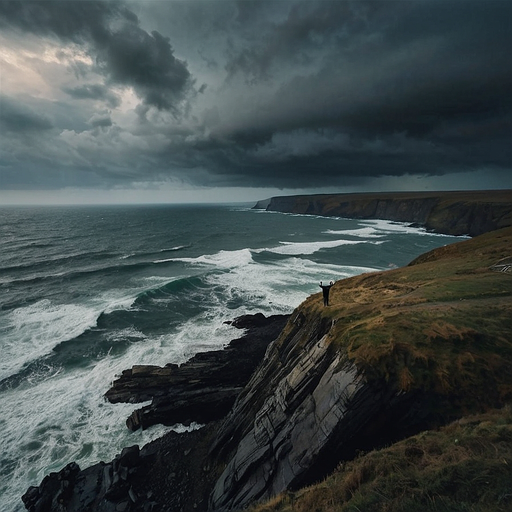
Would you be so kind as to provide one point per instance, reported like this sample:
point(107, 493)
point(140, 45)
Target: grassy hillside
point(440, 327)
point(443, 323)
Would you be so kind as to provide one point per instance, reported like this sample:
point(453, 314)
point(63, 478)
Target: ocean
point(86, 292)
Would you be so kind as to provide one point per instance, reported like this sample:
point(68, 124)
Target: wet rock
point(105, 487)
point(203, 389)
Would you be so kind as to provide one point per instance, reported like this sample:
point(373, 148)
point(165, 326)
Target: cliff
point(453, 213)
point(396, 353)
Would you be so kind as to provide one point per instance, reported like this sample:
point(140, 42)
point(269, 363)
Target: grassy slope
point(465, 466)
point(443, 324)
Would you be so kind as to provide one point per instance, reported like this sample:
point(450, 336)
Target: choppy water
point(86, 292)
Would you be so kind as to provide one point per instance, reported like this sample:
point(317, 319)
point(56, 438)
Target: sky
point(239, 100)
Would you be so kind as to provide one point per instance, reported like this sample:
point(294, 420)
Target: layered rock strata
point(307, 408)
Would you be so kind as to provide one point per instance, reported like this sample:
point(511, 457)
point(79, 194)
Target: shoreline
point(274, 403)
point(455, 213)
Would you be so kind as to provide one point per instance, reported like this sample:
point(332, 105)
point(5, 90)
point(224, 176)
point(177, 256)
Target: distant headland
point(453, 213)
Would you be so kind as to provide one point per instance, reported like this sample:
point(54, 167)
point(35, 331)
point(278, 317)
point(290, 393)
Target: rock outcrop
point(453, 213)
point(103, 486)
point(204, 388)
point(168, 474)
point(307, 408)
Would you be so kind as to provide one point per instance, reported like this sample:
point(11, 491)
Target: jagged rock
point(55, 490)
point(101, 487)
point(317, 408)
point(205, 387)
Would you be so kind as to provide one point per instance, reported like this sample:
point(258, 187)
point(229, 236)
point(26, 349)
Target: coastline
point(295, 364)
point(452, 213)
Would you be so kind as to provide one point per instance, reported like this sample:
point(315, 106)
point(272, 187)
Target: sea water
point(86, 292)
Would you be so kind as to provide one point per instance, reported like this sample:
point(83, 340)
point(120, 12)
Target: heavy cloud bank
point(285, 94)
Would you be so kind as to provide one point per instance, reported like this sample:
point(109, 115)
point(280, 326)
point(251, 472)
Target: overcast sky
point(239, 100)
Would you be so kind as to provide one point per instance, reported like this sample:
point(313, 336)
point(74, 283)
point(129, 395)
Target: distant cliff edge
point(453, 213)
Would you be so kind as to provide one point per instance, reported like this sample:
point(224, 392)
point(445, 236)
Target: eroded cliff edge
point(453, 213)
point(397, 352)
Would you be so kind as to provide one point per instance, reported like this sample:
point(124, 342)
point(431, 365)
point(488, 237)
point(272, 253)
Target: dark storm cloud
point(123, 52)
point(93, 92)
point(292, 94)
point(17, 117)
point(145, 61)
point(421, 87)
point(101, 120)
point(308, 29)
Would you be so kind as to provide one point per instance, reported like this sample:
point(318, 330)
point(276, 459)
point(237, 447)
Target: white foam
point(64, 418)
point(366, 232)
point(223, 259)
point(296, 248)
point(390, 227)
point(203, 333)
point(32, 331)
point(124, 303)
point(167, 260)
point(177, 248)
point(123, 334)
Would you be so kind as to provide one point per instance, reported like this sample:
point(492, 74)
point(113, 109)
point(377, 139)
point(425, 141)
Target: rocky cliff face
point(452, 213)
point(313, 408)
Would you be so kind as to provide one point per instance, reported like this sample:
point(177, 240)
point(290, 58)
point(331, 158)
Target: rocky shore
point(174, 472)
point(204, 388)
point(396, 353)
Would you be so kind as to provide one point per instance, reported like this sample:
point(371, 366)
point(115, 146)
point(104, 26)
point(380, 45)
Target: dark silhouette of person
point(325, 289)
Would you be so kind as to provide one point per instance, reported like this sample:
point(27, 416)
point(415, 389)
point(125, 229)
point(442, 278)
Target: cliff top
point(430, 324)
point(503, 195)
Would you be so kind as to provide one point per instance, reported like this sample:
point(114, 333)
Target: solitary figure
point(325, 289)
